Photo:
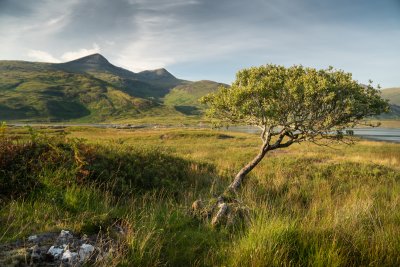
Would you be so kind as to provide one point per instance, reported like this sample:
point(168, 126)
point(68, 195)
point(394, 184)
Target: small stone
point(65, 234)
point(64, 238)
point(85, 252)
point(70, 257)
point(32, 238)
point(56, 252)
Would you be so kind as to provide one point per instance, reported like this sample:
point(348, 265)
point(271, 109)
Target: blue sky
point(209, 39)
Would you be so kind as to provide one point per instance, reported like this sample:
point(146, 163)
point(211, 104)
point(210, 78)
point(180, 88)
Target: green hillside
point(185, 97)
point(152, 84)
point(89, 89)
point(41, 94)
point(393, 95)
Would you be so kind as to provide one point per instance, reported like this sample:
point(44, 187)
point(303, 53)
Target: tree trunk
point(234, 186)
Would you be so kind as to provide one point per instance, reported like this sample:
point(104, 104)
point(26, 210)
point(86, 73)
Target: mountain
point(91, 89)
point(94, 63)
point(42, 93)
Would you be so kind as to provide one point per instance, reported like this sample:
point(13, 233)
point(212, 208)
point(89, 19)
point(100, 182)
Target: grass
point(310, 205)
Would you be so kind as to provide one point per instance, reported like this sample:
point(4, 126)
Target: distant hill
point(185, 97)
point(91, 89)
point(393, 95)
point(53, 95)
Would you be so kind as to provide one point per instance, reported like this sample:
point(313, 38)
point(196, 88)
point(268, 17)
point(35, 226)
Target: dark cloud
point(15, 8)
point(99, 17)
point(189, 34)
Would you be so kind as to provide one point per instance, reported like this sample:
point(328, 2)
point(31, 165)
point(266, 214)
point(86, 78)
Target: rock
point(69, 257)
point(32, 238)
point(65, 234)
point(64, 238)
point(56, 252)
point(57, 249)
point(85, 252)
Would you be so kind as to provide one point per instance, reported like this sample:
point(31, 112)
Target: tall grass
point(310, 205)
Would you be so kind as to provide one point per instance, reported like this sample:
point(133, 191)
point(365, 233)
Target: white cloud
point(162, 4)
point(68, 56)
point(162, 40)
point(56, 21)
point(42, 56)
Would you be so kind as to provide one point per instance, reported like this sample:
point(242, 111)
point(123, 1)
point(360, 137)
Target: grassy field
point(309, 205)
point(390, 123)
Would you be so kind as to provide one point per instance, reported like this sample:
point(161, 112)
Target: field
point(309, 205)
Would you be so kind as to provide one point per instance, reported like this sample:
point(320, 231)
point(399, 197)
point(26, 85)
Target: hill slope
point(393, 95)
point(41, 93)
point(88, 89)
point(146, 84)
point(94, 63)
point(185, 97)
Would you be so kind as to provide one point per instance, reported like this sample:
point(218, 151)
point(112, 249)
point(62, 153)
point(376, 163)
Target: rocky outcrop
point(57, 249)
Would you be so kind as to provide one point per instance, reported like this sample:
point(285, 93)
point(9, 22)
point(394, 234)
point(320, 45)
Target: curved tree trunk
point(234, 186)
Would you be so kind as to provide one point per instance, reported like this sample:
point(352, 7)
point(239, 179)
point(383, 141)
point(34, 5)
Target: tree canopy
point(292, 105)
point(303, 103)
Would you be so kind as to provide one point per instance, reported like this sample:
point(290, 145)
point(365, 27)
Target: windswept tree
point(293, 105)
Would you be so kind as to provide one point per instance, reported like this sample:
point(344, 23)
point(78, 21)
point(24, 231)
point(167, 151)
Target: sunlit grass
point(310, 205)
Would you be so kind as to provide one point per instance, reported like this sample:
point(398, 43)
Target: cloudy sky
point(209, 39)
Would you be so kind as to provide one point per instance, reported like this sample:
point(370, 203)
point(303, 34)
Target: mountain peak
point(94, 63)
point(157, 74)
point(161, 71)
point(97, 59)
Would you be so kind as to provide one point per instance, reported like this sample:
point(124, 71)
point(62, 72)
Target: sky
point(209, 39)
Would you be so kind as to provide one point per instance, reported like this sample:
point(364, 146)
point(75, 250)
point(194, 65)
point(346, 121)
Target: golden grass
point(310, 205)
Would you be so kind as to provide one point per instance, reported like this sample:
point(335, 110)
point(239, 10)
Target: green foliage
point(307, 101)
point(121, 171)
point(3, 127)
point(22, 163)
point(136, 169)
